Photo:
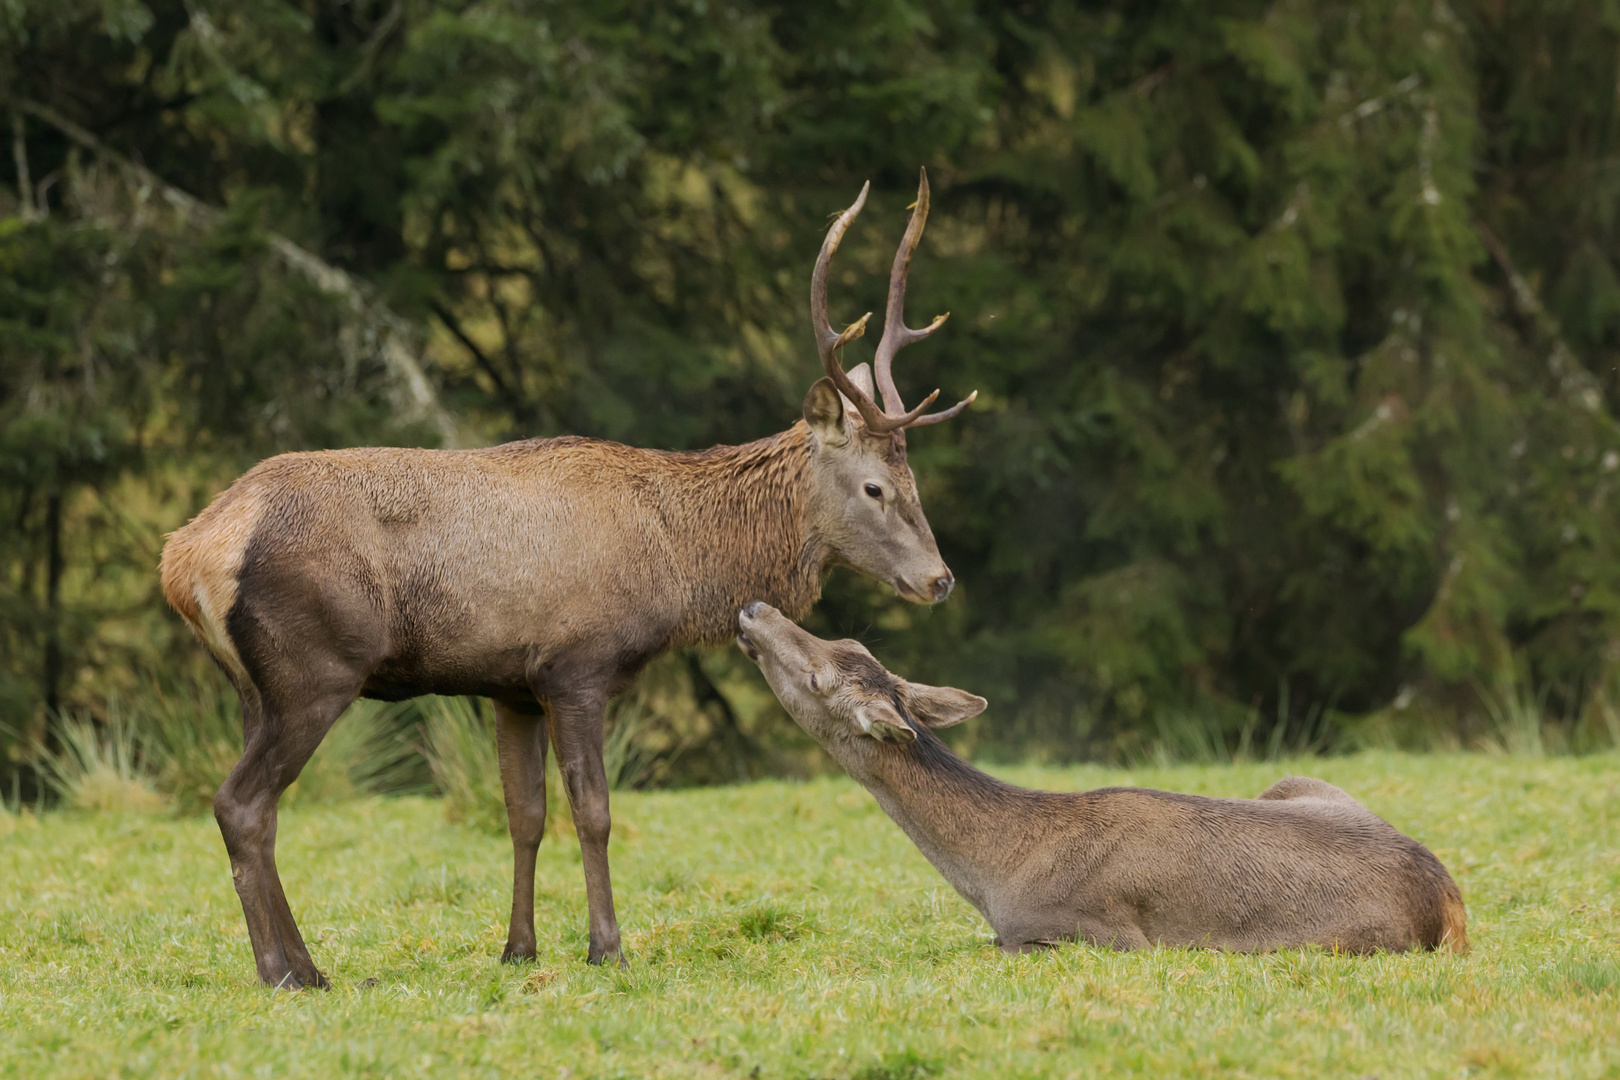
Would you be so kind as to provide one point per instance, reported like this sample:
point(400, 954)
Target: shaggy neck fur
point(742, 514)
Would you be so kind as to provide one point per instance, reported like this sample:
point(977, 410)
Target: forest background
point(1296, 328)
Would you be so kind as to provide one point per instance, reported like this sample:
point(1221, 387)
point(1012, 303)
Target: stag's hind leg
point(277, 744)
point(521, 742)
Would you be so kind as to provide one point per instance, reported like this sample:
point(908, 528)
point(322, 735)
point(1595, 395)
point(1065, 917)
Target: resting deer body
point(542, 574)
point(1303, 864)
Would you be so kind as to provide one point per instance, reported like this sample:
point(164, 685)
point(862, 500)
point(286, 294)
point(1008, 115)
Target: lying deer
point(542, 574)
point(1303, 864)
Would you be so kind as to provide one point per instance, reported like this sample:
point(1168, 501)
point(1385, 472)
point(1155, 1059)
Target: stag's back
point(435, 561)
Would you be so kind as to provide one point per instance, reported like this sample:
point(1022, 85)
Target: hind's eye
point(815, 687)
point(874, 491)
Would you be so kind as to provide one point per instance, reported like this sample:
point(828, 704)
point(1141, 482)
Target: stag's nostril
point(943, 585)
point(753, 608)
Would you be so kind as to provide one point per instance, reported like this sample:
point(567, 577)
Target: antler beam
point(894, 416)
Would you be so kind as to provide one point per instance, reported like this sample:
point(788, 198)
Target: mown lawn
point(791, 930)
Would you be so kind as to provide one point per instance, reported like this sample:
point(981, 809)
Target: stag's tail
point(199, 567)
point(1453, 922)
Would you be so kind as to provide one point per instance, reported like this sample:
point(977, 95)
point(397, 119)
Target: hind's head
point(837, 692)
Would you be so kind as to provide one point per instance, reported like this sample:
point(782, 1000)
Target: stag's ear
point(825, 413)
point(942, 706)
point(861, 376)
point(879, 719)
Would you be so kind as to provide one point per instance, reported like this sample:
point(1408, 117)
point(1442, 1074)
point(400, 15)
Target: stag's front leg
point(521, 742)
point(577, 731)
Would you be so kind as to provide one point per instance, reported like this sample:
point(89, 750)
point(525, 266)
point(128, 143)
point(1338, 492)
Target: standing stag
point(541, 574)
point(1302, 864)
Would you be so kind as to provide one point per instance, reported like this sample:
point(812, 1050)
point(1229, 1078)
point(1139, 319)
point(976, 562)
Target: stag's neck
point(975, 829)
point(741, 513)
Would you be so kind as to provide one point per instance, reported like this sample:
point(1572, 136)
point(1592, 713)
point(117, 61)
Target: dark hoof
point(514, 955)
point(292, 982)
point(614, 957)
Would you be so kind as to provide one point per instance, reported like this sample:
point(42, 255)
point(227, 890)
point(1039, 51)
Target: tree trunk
point(53, 604)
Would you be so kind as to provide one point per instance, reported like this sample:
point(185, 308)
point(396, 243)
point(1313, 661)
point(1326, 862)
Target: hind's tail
point(1453, 922)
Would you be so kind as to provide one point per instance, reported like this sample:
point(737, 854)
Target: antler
point(896, 336)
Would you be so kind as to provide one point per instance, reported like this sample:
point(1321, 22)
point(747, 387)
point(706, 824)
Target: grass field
point(790, 930)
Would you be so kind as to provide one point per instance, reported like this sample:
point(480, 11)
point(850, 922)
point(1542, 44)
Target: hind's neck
point(975, 829)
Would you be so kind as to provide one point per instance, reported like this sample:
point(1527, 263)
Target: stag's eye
point(874, 491)
point(815, 687)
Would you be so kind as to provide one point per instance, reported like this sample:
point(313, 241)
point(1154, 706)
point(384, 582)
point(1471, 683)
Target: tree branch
point(1524, 296)
point(368, 51)
point(388, 334)
point(452, 324)
point(19, 156)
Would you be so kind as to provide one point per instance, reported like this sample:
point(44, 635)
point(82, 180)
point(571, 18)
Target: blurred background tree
point(1295, 324)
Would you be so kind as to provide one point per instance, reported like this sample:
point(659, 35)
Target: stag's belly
point(498, 619)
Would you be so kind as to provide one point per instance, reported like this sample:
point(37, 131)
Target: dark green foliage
point(1295, 325)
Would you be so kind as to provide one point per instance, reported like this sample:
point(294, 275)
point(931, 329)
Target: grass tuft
point(1584, 975)
point(770, 921)
point(458, 741)
point(365, 753)
point(626, 759)
point(195, 737)
point(1517, 718)
point(99, 767)
point(905, 1065)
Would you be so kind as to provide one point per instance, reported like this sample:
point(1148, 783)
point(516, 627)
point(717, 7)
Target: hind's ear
point(942, 706)
point(879, 719)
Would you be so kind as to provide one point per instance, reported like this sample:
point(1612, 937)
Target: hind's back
point(1304, 864)
point(1405, 892)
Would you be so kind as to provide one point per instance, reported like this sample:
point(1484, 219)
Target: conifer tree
point(1295, 324)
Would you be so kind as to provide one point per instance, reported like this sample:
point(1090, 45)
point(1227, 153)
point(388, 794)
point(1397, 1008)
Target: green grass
point(790, 930)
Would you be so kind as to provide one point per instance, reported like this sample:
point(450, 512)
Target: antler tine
point(828, 340)
point(943, 414)
point(896, 335)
